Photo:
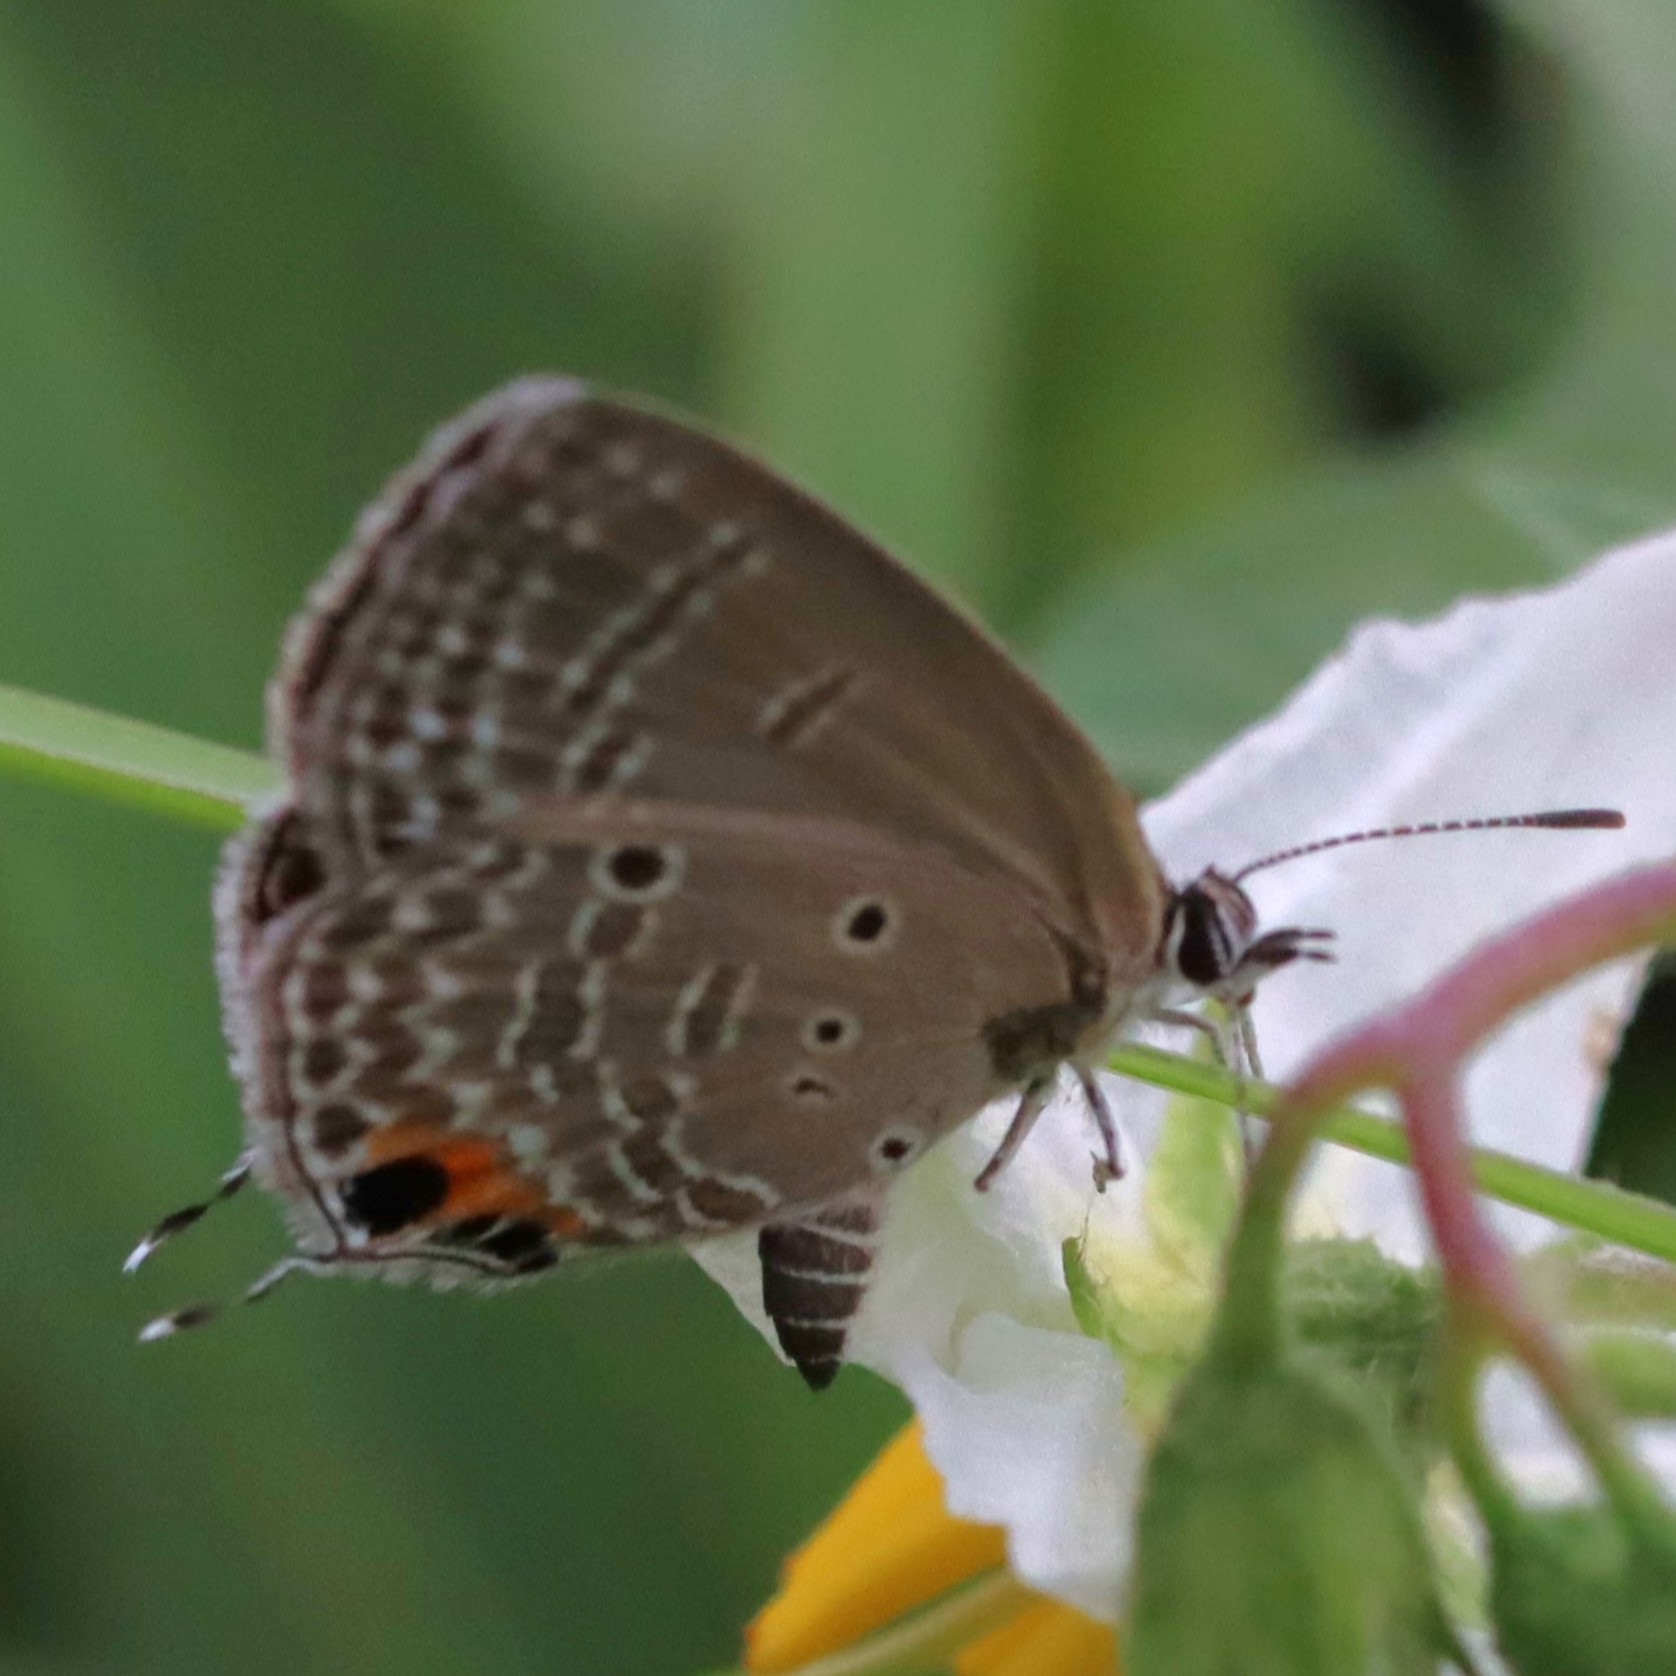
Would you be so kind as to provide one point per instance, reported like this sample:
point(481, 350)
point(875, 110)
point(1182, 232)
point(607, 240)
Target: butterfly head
point(1211, 945)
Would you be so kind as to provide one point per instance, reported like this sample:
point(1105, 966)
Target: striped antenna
point(1554, 819)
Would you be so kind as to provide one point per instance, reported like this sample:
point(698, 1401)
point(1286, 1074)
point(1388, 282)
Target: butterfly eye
point(1200, 953)
point(1209, 929)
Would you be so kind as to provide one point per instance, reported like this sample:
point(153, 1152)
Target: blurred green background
point(1175, 337)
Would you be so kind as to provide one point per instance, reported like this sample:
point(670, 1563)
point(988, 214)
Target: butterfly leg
point(1178, 1018)
point(1235, 1050)
point(814, 1274)
point(1108, 1161)
point(1031, 1105)
point(1252, 1068)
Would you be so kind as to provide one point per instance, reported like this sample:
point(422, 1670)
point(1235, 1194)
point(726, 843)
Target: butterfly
point(658, 858)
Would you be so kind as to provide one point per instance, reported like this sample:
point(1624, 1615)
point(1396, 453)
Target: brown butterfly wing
point(616, 1042)
point(568, 598)
point(575, 629)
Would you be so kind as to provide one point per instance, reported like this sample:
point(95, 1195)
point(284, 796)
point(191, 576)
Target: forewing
point(629, 1039)
point(568, 599)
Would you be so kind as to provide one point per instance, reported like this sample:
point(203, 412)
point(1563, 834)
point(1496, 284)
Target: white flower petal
point(1543, 700)
point(1023, 1415)
point(1026, 1426)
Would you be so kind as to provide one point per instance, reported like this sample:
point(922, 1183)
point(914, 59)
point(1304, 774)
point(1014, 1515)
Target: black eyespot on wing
point(288, 871)
point(829, 1032)
point(516, 1242)
point(895, 1149)
point(393, 1196)
point(637, 867)
point(866, 924)
point(637, 872)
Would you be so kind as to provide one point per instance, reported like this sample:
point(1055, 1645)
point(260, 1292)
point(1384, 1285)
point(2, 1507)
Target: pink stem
point(1417, 1052)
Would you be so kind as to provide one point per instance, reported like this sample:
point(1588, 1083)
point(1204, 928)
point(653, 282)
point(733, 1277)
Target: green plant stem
point(1249, 1324)
point(123, 761)
point(1461, 1356)
point(1589, 1207)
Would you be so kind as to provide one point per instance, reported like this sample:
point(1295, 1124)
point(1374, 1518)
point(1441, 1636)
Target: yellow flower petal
point(1047, 1639)
point(888, 1548)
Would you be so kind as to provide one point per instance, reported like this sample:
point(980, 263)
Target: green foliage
point(1580, 1591)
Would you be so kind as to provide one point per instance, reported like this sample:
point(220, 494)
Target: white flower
point(1559, 698)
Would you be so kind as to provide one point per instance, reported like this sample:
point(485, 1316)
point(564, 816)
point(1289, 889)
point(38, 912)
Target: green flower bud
point(1279, 1536)
point(1580, 1591)
point(1369, 1317)
point(1344, 1300)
